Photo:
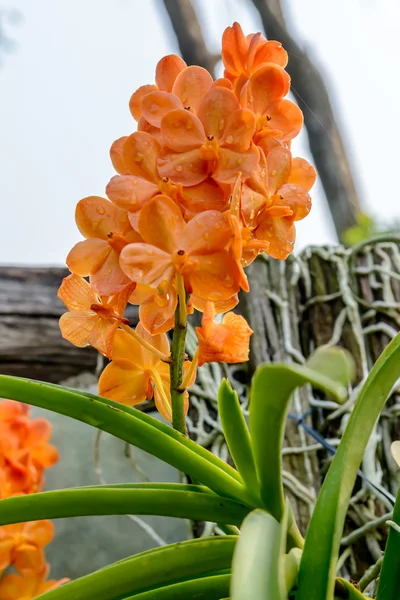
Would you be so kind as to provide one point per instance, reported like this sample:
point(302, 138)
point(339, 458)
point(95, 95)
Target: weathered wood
point(30, 341)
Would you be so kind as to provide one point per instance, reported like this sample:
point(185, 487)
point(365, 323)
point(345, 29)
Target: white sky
point(64, 98)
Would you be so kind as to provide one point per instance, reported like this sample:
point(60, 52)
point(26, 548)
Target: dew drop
point(101, 210)
point(252, 214)
point(221, 124)
point(138, 157)
point(273, 173)
point(179, 169)
point(229, 139)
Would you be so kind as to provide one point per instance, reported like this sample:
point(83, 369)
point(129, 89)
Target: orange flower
point(107, 230)
point(288, 203)
point(24, 451)
point(135, 373)
point(242, 56)
point(227, 341)
point(196, 250)
point(92, 320)
point(32, 585)
point(177, 86)
point(157, 307)
point(216, 142)
point(21, 543)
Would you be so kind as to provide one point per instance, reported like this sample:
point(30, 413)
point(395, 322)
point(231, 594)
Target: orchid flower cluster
point(24, 455)
point(205, 184)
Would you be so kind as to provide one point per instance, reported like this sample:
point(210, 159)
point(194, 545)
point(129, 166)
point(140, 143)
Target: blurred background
point(68, 69)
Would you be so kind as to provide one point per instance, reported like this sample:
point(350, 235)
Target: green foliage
point(257, 568)
point(151, 570)
point(389, 581)
point(364, 229)
point(271, 560)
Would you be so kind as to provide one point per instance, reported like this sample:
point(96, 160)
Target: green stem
point(178, 360)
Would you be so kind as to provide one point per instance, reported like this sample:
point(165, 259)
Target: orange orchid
point(290, 202)
point(136, 374)
point(108, 230)
point(216, 142)
point(177, 85)
point(92, 320)
point(196, 250)
point(29, 586)
point(25, 452)
point(139, 181)
point(205, 184)
point(20, 544)
point(227, 341)
point(156, 307)
point(243, 55)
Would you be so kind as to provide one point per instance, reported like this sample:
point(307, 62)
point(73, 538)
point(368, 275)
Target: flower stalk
point(178, 360)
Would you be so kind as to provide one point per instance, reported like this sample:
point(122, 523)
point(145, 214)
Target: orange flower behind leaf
point(136, 374)
point(92, 320)
point(21, 543)
point(227, 341)
point(28, 586)
point(25, 452)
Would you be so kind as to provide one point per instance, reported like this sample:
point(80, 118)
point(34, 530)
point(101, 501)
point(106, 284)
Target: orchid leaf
point(127, 425)
point(148, 570)
point(257, 561)
point(168, 500)
point(389, 580)
point(237, 435)
point(202, 588)
point(271, 392)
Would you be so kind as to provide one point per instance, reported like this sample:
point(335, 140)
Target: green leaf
point(237, 435)
point(389, 580)
point(129, 426)
point(270, 396)
point(168, 500)
point(188, 443)
point(320, 554)
point(204, 588)
point(333, 362)
point(155, 568)
point(256, 565)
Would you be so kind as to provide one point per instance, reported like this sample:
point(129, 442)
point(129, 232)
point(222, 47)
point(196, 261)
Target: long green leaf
point(237, 435)
point(109, 416)
point(271, 392)
point(318, 564)
point(256, 565)
point(203, 588)
point(172, 500)
point(159, 567)
point(389, 580)
point(187, 442)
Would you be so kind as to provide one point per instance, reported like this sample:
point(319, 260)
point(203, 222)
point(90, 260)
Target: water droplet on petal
point(101, 210)
point(179, 168)
point(273, 173)
point(229, 139)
